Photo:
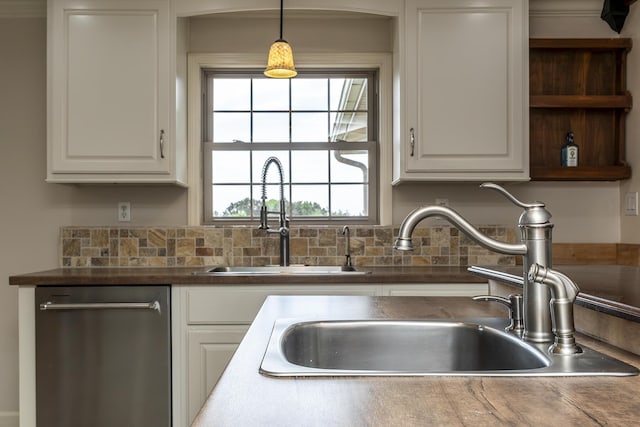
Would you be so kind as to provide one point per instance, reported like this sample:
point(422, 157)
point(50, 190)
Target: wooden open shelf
point(582, 173)
point(579, 86)
point(581, 101)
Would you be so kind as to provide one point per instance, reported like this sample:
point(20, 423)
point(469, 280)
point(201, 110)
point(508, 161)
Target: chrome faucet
point(283, 228)
point(535, 248)
point(347, 253)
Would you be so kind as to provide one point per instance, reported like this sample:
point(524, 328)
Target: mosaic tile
point(99, 237)
point(128, 247)
point(241, 245)
point(185, 247)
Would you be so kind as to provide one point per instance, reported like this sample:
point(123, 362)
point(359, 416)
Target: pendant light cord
point(281, 15)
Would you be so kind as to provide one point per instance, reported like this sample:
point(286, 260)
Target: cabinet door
point(210, 349)
point(466, 90)
point(435, 289)
point(108, 71)
point(239, 304)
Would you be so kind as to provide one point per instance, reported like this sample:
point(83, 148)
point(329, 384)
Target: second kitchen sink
point(283, 270)
point(421, 347)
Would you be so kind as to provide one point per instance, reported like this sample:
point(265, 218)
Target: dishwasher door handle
point(154, 305)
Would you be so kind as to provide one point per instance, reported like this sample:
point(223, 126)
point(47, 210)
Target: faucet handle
point(511, 197)
point(264, 218)
point(534, 213)
point(516, 308)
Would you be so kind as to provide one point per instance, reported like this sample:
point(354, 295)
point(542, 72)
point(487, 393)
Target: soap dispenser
point(569, 151)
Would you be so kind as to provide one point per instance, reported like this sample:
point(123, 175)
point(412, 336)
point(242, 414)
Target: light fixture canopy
point(280, 62)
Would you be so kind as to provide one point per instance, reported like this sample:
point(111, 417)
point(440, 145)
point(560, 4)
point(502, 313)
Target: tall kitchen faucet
point(283, 227)
point(535, 248)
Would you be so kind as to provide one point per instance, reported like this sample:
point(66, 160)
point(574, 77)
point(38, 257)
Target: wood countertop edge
point(123, 276)
point(244, 397)
point(185, 275)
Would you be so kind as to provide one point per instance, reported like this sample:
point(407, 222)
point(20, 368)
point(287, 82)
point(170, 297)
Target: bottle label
point(572, 156)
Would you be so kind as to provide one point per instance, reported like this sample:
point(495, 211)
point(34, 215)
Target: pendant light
point(280, 62)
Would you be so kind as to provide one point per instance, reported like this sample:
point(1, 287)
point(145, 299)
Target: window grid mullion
point(251, 157)
point(329, 175)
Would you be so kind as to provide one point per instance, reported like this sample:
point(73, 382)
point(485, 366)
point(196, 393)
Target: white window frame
point(199, 61)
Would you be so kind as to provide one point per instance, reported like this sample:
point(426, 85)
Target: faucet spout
point(283, 229)
point(404, 241)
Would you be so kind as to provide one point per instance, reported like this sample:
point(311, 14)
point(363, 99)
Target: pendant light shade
point(280, 61)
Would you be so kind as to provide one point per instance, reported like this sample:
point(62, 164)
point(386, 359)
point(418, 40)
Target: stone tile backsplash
point(245, 246)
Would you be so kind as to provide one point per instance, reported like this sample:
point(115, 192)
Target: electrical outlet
point(631, 203)
point(442, 202)
point(124, 211)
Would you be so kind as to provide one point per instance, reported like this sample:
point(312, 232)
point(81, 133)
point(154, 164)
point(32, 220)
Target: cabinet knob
point(412, 141)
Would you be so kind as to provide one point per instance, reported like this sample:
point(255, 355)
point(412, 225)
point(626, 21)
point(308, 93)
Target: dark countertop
point(185, 275)
point(243, 397)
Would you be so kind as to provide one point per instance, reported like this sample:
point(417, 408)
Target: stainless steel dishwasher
point(103, 356)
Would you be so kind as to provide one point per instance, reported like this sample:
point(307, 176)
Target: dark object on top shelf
point(614, 13)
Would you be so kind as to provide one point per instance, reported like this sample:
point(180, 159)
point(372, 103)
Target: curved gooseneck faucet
point(404, 241)
point(283, 229)
point(535, 248)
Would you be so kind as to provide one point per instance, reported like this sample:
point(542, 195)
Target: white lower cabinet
point(210, 321)
point(209, 349)
point(435, 290)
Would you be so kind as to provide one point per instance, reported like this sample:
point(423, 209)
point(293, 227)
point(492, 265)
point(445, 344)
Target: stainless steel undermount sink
point(467, 347)
point(280, 270)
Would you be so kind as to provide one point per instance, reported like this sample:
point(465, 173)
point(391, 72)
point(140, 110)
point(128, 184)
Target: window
point(321, 125)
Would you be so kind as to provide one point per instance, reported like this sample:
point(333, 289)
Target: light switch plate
point(631, 203)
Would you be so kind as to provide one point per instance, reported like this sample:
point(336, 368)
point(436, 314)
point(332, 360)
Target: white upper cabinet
point(111, 109)
point(464, 97)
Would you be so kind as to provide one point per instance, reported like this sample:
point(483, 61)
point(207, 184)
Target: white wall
point(32, 211)
point(630, 229)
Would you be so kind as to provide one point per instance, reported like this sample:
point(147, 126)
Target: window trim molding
point(198, 61)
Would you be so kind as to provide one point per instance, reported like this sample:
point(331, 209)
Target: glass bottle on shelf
point(569, 151)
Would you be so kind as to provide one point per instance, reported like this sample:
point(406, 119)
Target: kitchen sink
point(280, 270)
point(374, 347)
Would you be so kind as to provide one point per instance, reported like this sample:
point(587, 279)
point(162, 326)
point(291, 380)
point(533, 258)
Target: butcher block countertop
point(244, 397)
